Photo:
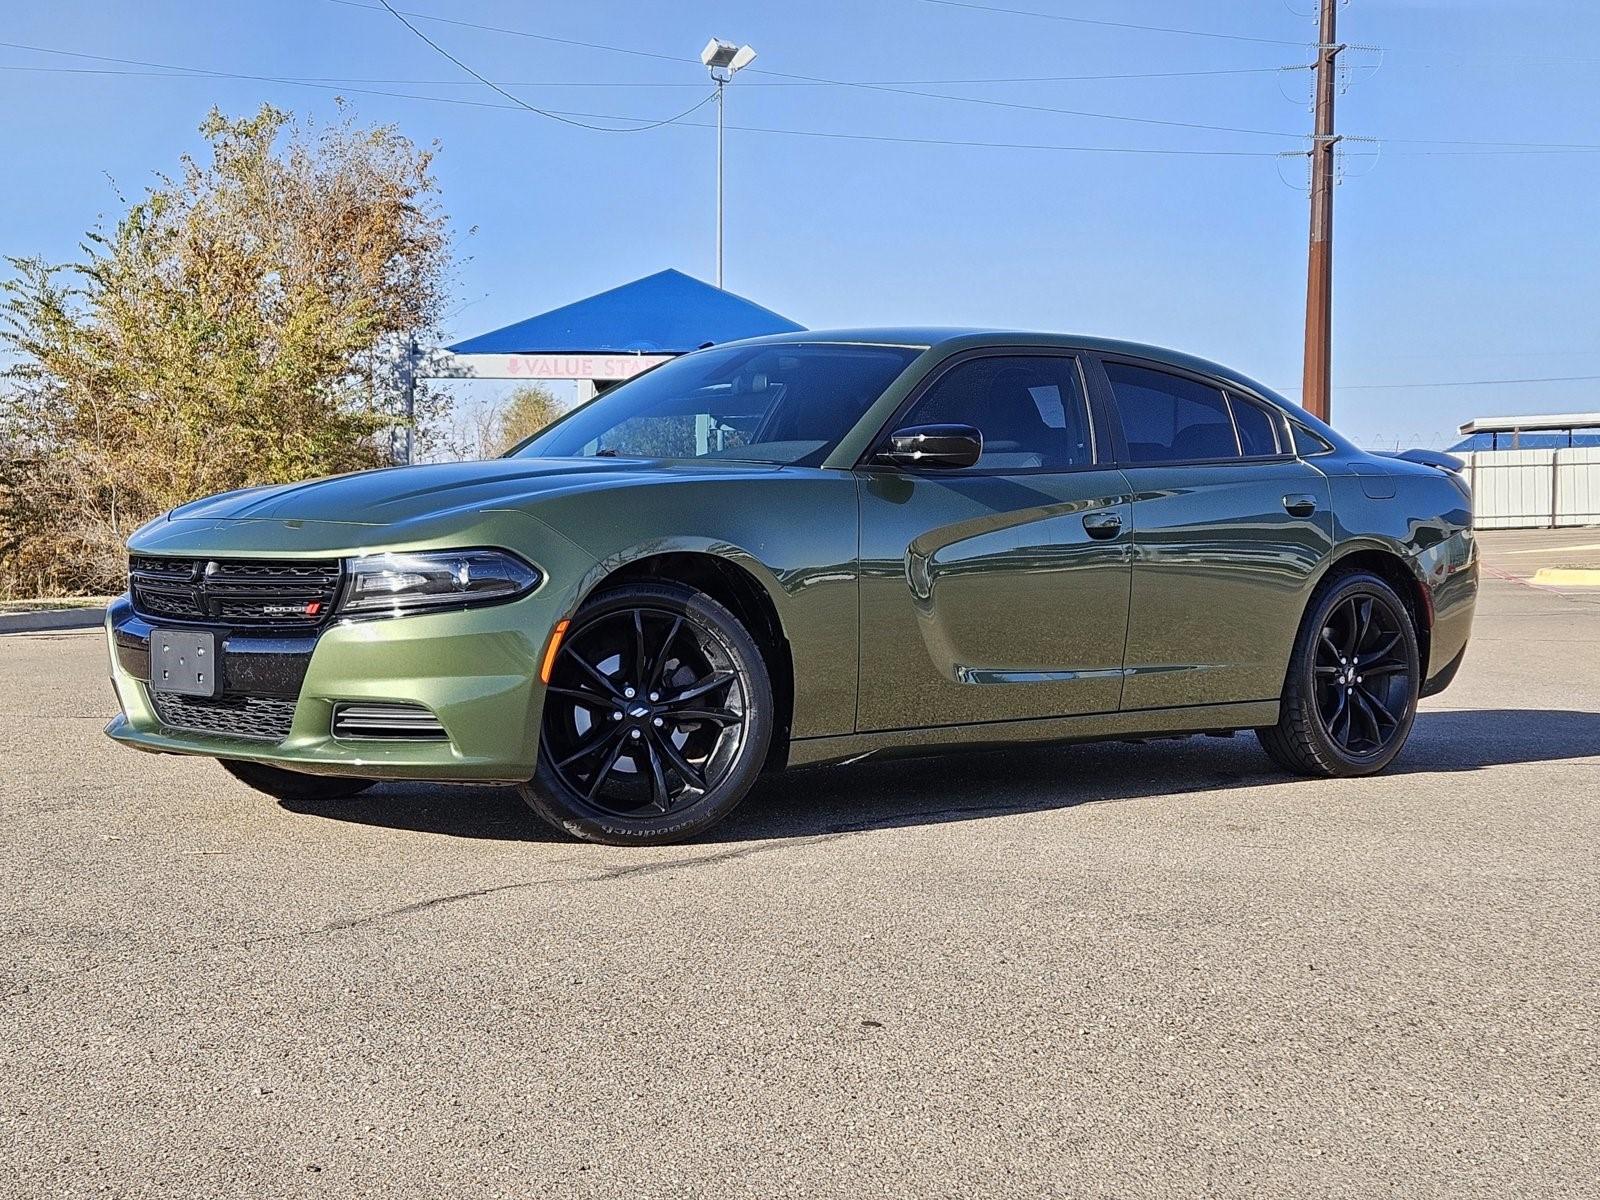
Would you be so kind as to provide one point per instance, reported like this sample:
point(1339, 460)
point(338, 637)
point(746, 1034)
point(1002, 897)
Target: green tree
point(238, 325)
point(527, 410)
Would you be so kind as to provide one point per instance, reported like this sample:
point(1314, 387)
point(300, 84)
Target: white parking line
point(1554, 549)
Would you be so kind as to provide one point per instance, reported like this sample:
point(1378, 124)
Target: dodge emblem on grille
point(292, 610)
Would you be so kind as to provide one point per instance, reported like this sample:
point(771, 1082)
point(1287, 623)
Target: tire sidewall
point(549, 796)
point(1365, 584)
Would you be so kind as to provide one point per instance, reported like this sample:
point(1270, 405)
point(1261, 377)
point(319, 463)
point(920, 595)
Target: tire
point(1350, 696)
point(618, 761)
point(294, 785)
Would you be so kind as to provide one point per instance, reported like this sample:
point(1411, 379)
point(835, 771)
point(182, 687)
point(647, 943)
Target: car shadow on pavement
point(965, 785)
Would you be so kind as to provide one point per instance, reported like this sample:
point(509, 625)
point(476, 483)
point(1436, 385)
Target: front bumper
point(476, 669)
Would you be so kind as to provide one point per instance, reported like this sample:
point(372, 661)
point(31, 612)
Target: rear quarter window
point(1307, 443)
point(1258, 432)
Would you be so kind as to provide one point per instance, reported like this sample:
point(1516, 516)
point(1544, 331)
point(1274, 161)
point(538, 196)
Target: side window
point(1307, 443)
point(1170, 418)
point(1258, 432)
point(1030, 410)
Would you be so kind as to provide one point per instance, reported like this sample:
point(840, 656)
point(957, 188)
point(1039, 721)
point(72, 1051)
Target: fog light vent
point(381, 721)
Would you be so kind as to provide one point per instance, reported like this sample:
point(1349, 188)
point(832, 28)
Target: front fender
point(793, 532)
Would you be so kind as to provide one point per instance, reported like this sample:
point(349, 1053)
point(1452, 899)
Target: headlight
point(394, 584)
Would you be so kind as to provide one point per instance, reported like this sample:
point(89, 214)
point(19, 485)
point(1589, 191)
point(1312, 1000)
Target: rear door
point(1230, 528)
point(998, 591)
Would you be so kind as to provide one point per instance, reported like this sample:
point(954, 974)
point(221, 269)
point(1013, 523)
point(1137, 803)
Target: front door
point(1230, 529)
point(998, 591)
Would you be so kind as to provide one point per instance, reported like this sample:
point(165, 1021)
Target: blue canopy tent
point(603, 340)
point(662, 314)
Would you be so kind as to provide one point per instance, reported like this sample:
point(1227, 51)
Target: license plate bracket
point(184, 662)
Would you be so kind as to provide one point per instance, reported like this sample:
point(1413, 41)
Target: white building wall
point(1578, 486)
point(1527, 489)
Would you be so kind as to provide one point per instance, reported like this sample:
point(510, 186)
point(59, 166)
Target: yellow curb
point(1567, 577)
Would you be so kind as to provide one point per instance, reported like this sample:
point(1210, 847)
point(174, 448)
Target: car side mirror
point(940, 446)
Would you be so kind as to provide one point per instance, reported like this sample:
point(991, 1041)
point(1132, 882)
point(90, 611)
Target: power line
point(1479, 142)
point(1367, 387)
point(781, 79)
point(896, 87)
point(790, 78)
point(1512, 60)
point(1043, 108)
point(679, 83)
point(173, 71)
point(647, 124)
point(1042, 16)
point(920, 141)
point(1099, 116)
point(1040, 78)
point(542, 37)
point(160, 70)
point(511, 96)
point(338, 84)
point(1524, 150)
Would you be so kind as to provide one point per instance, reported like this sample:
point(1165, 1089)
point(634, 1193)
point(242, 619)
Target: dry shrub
point(239, 325)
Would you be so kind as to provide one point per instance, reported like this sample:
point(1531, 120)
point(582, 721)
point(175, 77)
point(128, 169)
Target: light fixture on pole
point(724, 60)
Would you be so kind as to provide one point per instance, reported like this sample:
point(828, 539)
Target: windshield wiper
point(608, 452)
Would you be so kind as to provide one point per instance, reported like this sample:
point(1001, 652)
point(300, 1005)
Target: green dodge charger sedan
point(801, 549)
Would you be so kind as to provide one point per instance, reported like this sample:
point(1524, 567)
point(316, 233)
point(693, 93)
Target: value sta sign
point(603, 367)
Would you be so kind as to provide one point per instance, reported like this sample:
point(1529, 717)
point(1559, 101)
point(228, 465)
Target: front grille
point(386, 721)
point(266, 718)
point(235, 591)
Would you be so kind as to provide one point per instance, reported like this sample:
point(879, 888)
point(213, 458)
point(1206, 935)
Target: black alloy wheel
point(1351, 693)
point(1363, 674)
point(656, 718)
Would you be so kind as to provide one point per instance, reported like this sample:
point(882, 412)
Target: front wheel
point(657, 718)
point(1351, 693)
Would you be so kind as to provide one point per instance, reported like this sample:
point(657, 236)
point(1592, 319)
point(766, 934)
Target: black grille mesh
point(265, 592)
point(266, 718)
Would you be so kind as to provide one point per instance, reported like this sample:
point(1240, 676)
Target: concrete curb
point(1567, 577)
point(61, 618)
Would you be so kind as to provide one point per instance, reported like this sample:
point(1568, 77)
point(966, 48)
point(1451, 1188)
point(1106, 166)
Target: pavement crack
point(599, 873)
point(922, 816)
point(401, 910)
point(733, 853)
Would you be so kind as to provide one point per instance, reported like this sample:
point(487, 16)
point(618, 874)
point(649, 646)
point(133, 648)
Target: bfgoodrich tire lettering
point(1351, 693)
point(657, 718)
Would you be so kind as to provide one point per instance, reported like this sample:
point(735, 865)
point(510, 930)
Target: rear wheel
point(1351, 694)
point(294, 785)
point(657, 718)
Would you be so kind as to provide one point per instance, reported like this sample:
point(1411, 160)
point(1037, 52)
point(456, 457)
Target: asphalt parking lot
point(1104, 970)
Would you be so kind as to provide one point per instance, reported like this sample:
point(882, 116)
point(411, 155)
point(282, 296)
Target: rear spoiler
point(1427, 458)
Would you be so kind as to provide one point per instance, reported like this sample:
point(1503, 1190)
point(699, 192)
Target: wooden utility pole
point(1315, 393)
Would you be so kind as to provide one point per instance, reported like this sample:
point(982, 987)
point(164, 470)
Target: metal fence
point(1534, 489)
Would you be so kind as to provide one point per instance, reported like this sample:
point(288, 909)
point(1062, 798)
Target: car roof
point(954, 339)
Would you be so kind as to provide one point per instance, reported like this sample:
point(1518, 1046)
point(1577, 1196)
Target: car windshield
point(789, 403)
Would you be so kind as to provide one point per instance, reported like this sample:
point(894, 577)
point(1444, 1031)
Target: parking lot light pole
point(724, 60)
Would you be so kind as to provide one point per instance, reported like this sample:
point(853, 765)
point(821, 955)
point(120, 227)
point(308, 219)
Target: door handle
point(1104, 526)
point(1300, 506)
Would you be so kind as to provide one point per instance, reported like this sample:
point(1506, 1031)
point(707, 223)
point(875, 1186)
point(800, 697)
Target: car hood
point(402, 495)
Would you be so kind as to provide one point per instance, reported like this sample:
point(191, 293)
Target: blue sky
point(1454, 262)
